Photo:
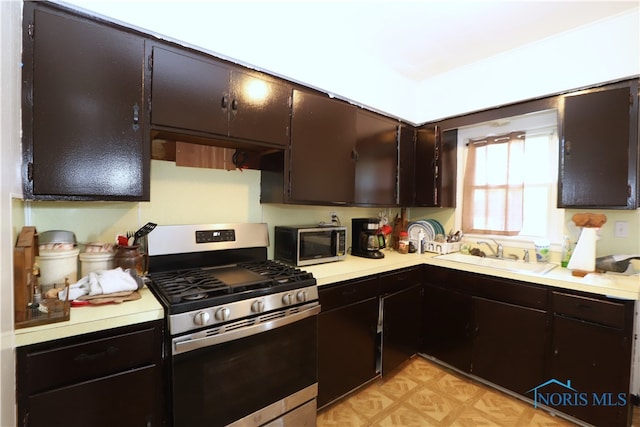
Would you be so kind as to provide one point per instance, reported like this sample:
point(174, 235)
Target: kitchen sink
point(516, 266)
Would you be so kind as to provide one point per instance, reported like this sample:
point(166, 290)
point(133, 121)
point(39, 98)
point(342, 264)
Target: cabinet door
point(347, 341)
point(322, 160)
point(189, 92)
point(260, 109)
point(599, 149)
point(509, 344)
point(447, 323)
point(406, 164)
point(597, 360)
point(401, 327)
point(377, 160)
point(85, 138)
point(126, 397)
point(426, 158)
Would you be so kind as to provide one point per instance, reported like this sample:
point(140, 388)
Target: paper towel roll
point(583, 259)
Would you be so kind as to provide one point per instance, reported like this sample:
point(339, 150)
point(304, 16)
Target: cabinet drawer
point(399, 280)
point(68, 364)
point(512, 292)
point(347, 293)
point(607, 313)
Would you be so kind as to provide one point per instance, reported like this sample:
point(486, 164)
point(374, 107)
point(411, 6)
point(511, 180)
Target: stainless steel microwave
point(308, 245)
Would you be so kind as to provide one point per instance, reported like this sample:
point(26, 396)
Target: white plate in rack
point(414, 231)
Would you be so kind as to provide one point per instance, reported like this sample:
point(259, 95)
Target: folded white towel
point(101, 282)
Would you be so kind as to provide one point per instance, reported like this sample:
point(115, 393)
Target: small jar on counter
point(403, 243)
point(129, 257)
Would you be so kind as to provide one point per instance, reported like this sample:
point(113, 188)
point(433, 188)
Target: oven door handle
point(200, 340)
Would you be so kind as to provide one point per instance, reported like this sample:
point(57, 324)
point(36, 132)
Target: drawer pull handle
point(84, 357)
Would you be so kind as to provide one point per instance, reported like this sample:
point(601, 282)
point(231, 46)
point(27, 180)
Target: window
point(509, 182)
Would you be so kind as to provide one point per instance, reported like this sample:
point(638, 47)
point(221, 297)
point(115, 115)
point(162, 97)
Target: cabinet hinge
point(31, 29)
point(628, 191)
point(30, 171)
point(150, 62)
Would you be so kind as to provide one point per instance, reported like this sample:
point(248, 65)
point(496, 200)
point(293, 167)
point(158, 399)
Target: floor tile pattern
point(425, 394)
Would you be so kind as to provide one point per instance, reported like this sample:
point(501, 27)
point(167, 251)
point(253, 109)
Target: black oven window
point(219, 384)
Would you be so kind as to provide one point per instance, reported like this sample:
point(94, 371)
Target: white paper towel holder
point(583, 259)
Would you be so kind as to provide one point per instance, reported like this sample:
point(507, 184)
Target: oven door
point(249, 375)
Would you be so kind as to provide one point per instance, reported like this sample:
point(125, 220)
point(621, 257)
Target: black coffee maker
point(364, 238)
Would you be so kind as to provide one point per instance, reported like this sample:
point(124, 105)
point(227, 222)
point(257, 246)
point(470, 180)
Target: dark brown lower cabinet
point(509, 344)
point(401, 327)
point(101, 379)
point(447, 323)
point(567, 350)
point(591, 348)
point(347, 338)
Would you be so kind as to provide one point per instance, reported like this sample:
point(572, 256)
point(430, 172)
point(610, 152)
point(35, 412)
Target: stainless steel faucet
point(498, 252)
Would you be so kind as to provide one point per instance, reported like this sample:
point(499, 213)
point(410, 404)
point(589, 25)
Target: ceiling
point(377, 44)
point(416, 39)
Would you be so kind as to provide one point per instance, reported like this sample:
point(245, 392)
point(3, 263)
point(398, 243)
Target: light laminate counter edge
point(610, 285)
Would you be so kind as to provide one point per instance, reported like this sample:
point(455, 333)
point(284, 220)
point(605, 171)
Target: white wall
point(604, 51)
point(10, 42)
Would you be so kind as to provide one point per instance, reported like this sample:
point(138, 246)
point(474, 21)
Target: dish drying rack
point(441, 247)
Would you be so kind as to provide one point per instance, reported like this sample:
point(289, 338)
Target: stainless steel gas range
point(242, 330)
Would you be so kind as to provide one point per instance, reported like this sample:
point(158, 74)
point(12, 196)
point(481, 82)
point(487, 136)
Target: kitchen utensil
point(615, 263)
point(143, 231)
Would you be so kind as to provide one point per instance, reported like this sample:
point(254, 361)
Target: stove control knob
point(257, 306)
point(301, 296)
point(223, 314)
point(287, 299)
point(201, 318)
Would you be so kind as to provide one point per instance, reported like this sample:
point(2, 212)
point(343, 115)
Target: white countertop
point(612, 285)
point(89, 319)
point(94, 318)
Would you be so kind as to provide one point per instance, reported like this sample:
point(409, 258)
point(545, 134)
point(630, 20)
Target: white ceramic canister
point(95, 261)
point(55, 266)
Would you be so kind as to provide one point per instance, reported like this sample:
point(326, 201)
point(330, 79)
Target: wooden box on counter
point(25, 282)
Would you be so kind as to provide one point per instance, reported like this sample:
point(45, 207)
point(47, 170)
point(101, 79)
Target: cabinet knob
point(556, 352)
point(224, 103)
point(234, 105)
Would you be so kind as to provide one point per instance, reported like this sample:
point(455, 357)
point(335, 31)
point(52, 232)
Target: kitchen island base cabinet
point(347, 338)
point(105, 379)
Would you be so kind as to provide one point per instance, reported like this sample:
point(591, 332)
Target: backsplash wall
point(183, 195)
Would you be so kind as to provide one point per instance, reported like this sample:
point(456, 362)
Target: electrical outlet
point(622, 229)
point(333, 216)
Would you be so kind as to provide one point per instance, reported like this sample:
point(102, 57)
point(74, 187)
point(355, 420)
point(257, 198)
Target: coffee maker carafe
point(364, 238)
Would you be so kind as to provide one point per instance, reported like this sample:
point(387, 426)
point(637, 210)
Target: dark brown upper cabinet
point(83, 108)
point(376, 182)
point(599, 148)
point(323, 153)
point(195, 97)
point(339, 154)
point(427, 174)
